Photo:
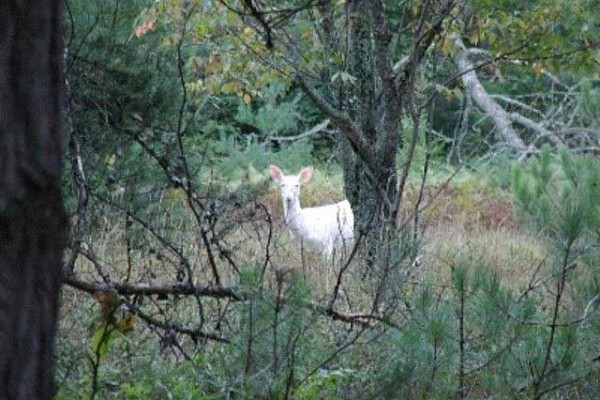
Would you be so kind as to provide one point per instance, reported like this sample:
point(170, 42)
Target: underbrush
point(492, 308)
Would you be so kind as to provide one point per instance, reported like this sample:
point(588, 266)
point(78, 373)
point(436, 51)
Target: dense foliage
point(183, 282)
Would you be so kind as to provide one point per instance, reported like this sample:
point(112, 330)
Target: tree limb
point(476, 90)
point(315, 129)
point(347, 126)
point(142, 288)
point(534, 126)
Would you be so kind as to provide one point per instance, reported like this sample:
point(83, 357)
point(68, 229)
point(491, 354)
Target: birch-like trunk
point(490, 107)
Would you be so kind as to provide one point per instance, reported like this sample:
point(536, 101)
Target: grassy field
point(281, 342)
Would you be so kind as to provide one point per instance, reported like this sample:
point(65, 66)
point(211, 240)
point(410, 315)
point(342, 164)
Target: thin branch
point(75, 54)
point(194, 333)
point(345, 124)
point(536, 127)
point(560, 288)
point(315, 129)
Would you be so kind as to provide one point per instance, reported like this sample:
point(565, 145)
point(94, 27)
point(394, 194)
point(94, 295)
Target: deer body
point(327, 227)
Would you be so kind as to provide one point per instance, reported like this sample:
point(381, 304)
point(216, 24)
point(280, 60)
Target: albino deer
point(326, 227)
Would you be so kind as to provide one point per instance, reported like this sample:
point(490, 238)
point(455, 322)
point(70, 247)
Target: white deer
point(327, 227)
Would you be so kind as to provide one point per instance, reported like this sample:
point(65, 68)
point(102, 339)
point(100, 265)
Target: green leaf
point(101, 340)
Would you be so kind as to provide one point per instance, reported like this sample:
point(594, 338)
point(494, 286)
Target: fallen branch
point(476, 90)
point(142, 288)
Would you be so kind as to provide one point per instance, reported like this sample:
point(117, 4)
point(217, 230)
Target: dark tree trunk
point(32, 219)
point(370, 178)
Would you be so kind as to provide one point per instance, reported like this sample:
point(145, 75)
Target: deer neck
point(292, 212)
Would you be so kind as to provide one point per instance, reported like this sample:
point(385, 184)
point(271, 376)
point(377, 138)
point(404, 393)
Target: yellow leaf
point(445, 46)
point(247, 98)
point(214, 58)
point(538, 67)
point(473, 37)
point(456, 10)
point(110, 160)
point(126, 323)
point(231, 87)
point(448, 95)
point(143, 28)
point(108, 304)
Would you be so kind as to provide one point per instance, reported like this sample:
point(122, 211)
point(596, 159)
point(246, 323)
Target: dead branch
point(148, 289)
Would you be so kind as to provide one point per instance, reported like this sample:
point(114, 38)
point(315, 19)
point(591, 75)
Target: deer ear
point(275, 173)
point(305, 174)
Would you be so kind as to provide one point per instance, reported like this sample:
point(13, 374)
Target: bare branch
point(476, 90)
point(315, 129)
point(194, 333)
point(528, 123)
point(147, 289)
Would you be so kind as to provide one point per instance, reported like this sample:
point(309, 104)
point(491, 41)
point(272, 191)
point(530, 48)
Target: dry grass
point(472, 224)
point(513, 254)
point(467, 222)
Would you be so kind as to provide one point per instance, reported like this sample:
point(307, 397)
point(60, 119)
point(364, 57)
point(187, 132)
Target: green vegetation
point(185, 283)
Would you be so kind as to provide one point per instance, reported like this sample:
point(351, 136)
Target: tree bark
point(371, 181)
point(32, 218)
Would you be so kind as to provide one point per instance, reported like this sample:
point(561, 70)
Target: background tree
point(32, 220)
point(358, 62)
